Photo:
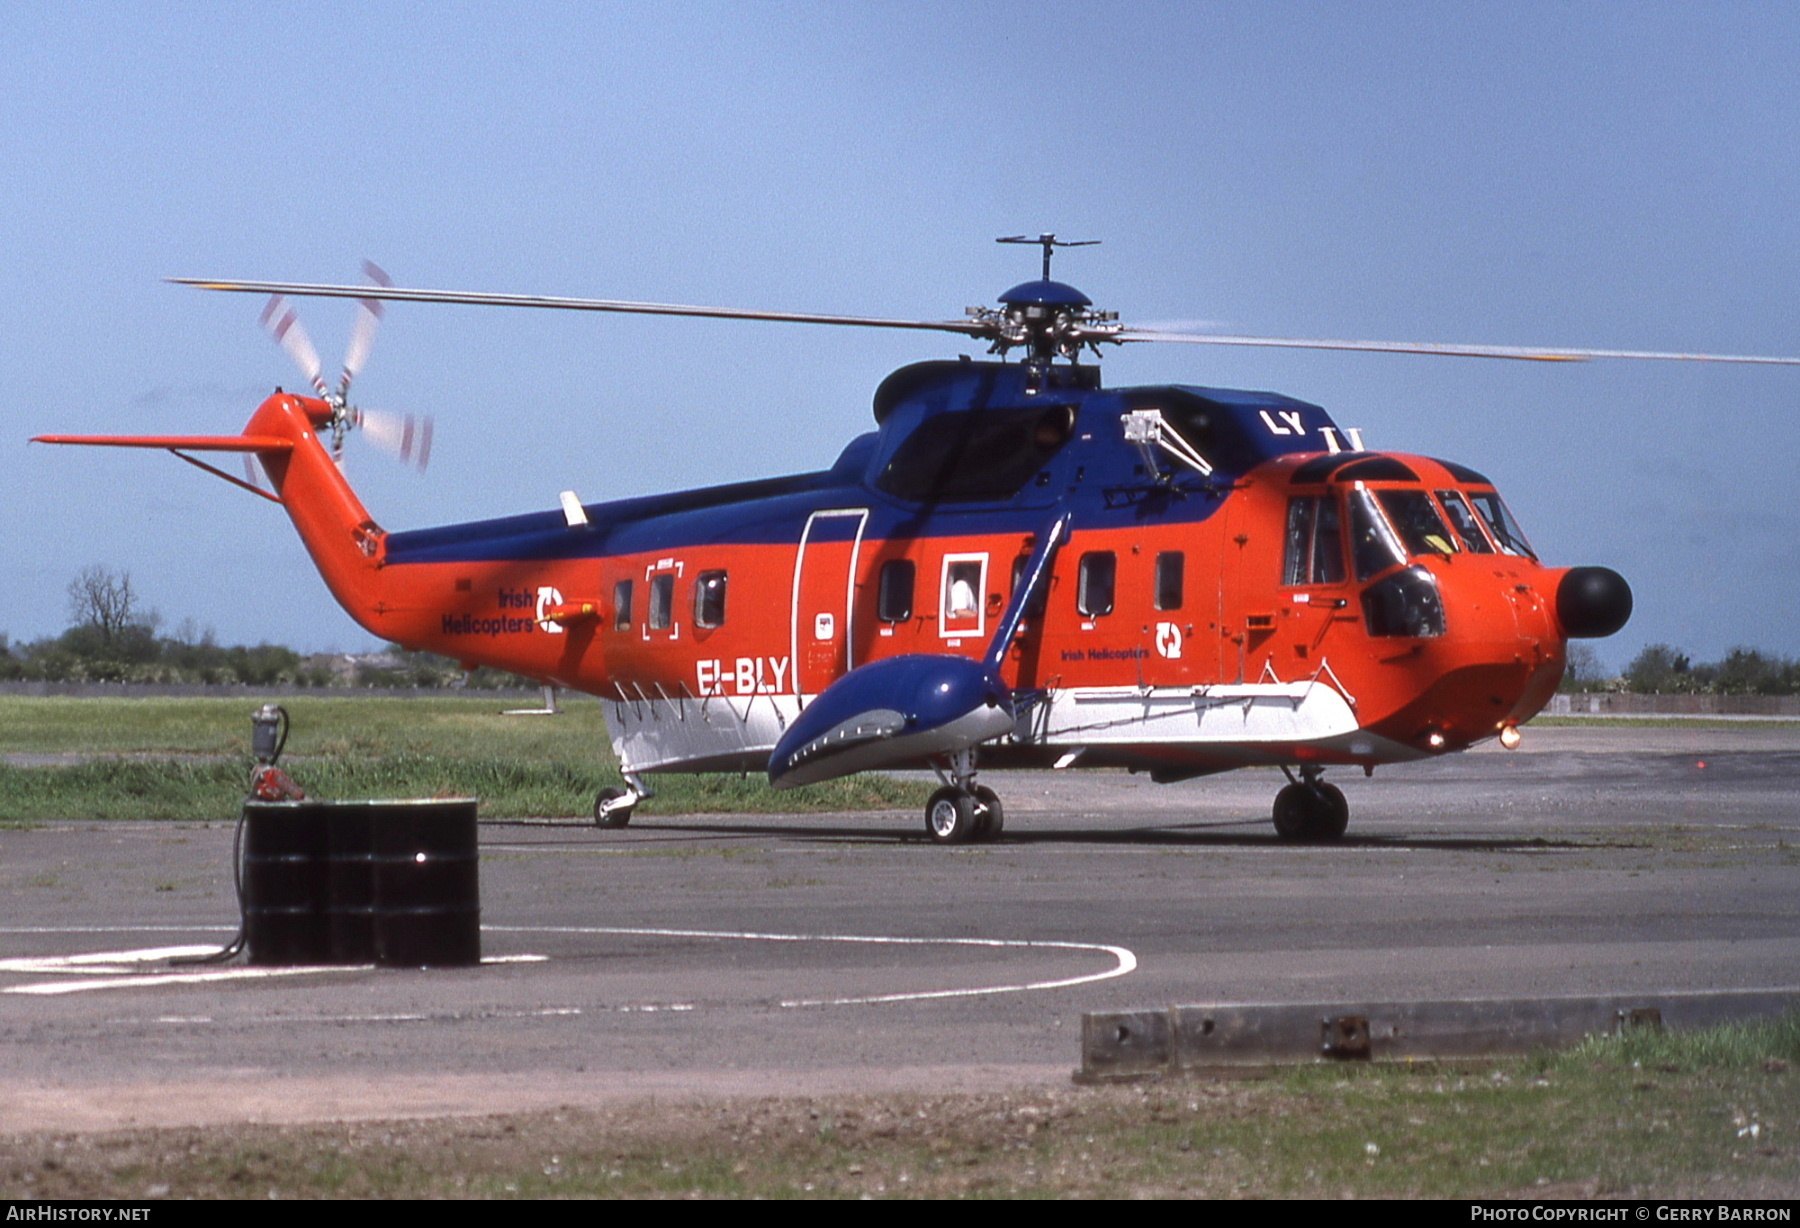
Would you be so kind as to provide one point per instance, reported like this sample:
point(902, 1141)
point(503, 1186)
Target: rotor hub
point(1050, 318)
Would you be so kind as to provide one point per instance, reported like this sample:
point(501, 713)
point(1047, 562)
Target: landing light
point(1435, 741)
point(1510, 737)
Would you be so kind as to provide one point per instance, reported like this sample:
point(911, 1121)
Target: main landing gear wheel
point(990, 816)
point(613, 808)
point(950, 816)
point(1312, 811)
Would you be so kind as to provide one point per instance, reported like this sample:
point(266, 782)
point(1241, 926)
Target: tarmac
point(788, 954)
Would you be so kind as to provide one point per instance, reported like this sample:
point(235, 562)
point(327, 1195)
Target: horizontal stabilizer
point(187, 443)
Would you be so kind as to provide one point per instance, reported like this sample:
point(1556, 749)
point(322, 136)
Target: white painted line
point(177, 978)
point(1127, 964)
point(1125, 961)
point(198, 928)
point(101, 961)
point(112, 976)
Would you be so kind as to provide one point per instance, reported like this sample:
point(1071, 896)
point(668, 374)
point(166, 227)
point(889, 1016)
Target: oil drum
point(394, 883)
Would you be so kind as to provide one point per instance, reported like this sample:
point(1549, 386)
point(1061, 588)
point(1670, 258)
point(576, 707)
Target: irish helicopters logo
point(547, 597)
point(1168, 641)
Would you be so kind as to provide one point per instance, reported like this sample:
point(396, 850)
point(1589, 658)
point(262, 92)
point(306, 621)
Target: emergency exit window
point(622, 606)
point(662, 601)
point(963, 599)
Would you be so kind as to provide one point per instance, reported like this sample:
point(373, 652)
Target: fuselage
point(1247, 587)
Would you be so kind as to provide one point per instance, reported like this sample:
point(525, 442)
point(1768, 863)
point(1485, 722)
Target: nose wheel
point(1310, 810)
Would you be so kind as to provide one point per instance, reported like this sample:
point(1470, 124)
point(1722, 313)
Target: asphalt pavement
point(775, 954)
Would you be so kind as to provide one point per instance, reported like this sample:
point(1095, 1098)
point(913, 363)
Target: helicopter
point(1018, 567)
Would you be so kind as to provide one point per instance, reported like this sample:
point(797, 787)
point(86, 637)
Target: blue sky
point(1580, 175)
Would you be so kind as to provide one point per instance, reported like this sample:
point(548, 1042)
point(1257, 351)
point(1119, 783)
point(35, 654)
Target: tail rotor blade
point(285, 327)
point(407, 436)
point(368, 318)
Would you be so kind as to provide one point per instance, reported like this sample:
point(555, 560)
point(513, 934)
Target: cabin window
point(622, 606)
point(1035, 607)
point(662, 601)
point(709, 599)
point(1415, 518)
point(1171, 569)
point(1507, 534)
point(1315, 548)
point(1094, 593)
point(894, 604)
point(1457, 508)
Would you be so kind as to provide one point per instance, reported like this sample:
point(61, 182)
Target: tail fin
point(346, 545)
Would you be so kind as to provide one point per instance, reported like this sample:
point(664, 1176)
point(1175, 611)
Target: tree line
point(113, 636)
point(1661, 669)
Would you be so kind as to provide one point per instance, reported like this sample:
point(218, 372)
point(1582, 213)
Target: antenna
point(1049, 243)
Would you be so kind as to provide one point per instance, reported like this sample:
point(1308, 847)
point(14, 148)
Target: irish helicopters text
point(1017, 567)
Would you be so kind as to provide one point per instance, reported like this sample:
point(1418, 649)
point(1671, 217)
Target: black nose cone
point(1592, 602)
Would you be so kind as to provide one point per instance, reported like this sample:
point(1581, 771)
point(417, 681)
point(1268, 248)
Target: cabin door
point(824, 598)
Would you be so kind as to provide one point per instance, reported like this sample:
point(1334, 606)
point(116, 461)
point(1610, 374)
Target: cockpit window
point(1315, 550)
point(1507, 534)
point(1372, 544)
point(1457, 508)
point(1466, 475)
point(1376, 469)
point(1417, 521)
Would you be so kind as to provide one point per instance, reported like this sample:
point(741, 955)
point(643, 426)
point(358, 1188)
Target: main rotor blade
point(396, 294)
point(1525, 353)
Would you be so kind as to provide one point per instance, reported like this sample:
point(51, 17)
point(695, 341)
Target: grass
point(1711, 723)
point(188, 759)
point(1705, 1114)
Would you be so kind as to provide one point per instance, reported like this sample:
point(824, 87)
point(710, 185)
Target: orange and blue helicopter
point(1018, 567)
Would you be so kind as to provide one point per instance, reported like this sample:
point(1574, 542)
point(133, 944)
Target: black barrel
point(427, 888)
point(395, 883)
point(284, 883)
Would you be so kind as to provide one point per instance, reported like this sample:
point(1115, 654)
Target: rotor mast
point(1051, 319)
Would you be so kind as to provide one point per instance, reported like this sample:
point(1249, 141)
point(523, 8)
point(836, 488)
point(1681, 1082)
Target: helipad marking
point(197, 928)
point(99, 961)
point(1126, 960)
point(105, 970)
point(176, 978)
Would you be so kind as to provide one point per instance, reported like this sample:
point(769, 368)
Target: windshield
point(1417, 521)
point(1373, 545)
point(1507, 534)
point(1457, 508)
